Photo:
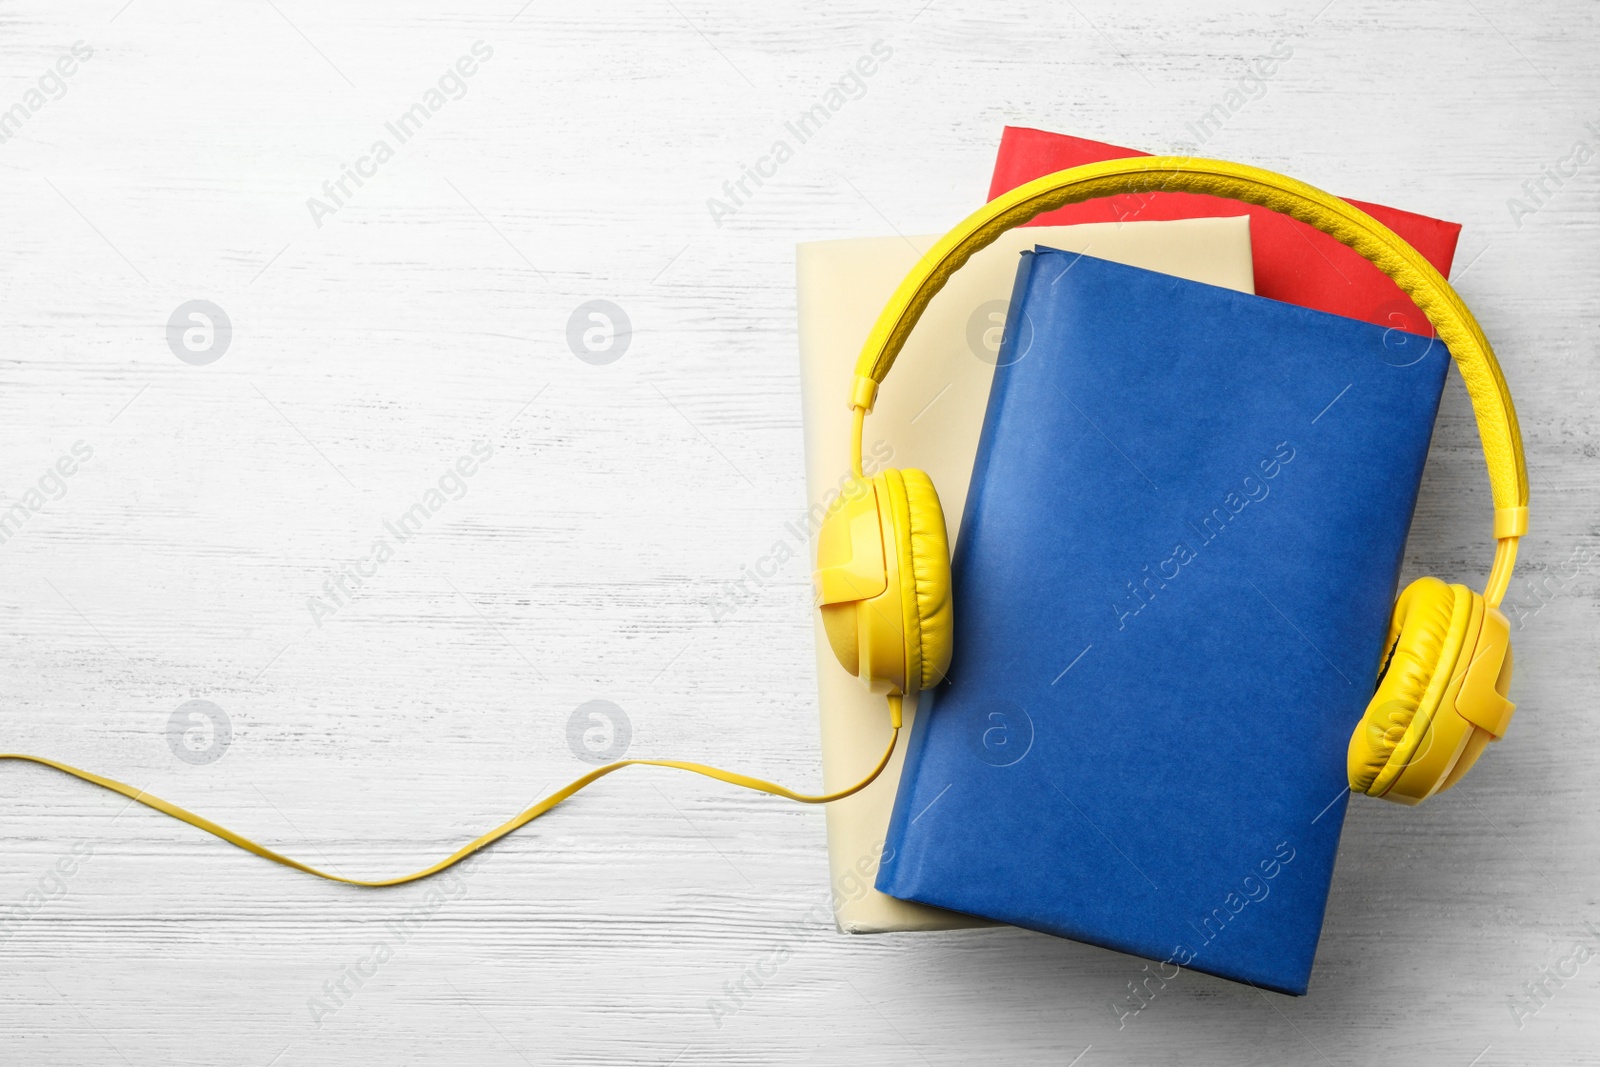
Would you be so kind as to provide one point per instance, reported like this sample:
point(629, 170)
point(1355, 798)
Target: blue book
point(1172, 583)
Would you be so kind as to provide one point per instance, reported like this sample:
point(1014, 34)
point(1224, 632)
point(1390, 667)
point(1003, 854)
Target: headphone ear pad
point(924, 549)
point(1426, 634)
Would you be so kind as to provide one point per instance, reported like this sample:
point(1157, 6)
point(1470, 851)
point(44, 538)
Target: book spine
point(1012, 340)
point(898, 878)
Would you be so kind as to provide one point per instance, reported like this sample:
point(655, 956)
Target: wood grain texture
point(587, 555)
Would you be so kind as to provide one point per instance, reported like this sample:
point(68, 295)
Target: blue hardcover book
point(1172, 584)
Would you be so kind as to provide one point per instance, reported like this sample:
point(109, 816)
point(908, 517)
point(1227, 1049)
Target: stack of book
point(1183, 492)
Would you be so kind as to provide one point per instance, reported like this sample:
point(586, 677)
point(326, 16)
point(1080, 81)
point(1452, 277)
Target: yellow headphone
point(883, 562)
point(883, 557)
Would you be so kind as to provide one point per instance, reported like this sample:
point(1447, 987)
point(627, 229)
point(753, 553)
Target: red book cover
point(1294, 262)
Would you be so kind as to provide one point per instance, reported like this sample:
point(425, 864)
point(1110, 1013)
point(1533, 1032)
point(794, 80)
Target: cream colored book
point(929, 415)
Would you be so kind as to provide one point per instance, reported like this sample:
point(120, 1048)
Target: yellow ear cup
point(1425, 618)
point(883, 582)
point(1440, 698)
point(924, 575)
point(1489, 692)
point(851, 570)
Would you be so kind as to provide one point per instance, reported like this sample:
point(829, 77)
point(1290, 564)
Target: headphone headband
point(1454, 323)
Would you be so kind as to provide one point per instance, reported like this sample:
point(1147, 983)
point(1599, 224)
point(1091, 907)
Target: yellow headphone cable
point(744, 781)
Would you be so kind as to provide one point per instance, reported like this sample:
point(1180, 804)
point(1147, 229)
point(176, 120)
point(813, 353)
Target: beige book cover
point(929, 414)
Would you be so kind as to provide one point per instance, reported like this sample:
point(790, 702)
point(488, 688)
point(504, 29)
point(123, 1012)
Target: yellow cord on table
point(239, 840)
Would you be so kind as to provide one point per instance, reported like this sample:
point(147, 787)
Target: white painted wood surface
point(587, 555)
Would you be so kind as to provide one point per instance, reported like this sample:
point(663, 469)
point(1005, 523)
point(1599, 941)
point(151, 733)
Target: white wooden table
point(377, 337)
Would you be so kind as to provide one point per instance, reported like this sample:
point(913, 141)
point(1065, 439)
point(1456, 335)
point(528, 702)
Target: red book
point(1294, 262)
